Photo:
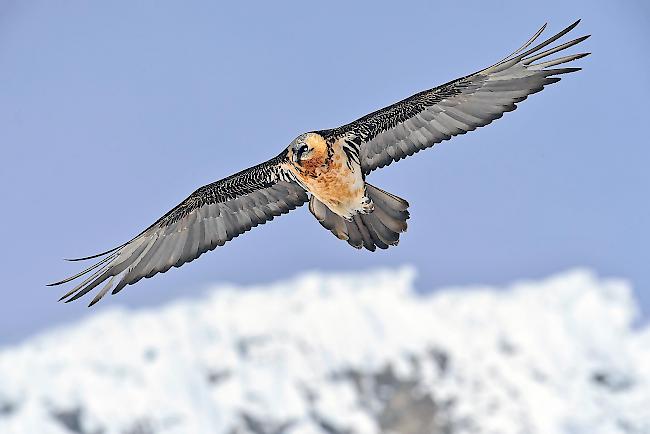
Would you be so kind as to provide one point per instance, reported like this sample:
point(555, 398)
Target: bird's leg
point(367, 205)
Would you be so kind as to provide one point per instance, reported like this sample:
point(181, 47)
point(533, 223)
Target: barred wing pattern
point(209, 217)
point(454, 108)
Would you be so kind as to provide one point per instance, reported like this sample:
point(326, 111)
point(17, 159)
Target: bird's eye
point(302, 150)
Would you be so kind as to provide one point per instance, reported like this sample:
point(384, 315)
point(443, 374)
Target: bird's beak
point(294, 156)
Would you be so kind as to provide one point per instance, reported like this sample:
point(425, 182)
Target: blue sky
point(113, 112)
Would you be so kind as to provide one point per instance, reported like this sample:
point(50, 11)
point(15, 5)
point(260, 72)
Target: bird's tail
point(380, 228)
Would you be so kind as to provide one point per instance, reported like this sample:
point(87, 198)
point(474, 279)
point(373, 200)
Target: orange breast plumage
point(339, 185)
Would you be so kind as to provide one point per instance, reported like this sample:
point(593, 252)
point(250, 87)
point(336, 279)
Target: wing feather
point(209, 217)
point(462, 105)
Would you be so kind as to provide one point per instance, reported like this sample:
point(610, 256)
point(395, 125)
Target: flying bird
point(328, 168)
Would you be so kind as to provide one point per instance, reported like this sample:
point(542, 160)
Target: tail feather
point(355, 236)
point(381, 228)
point(386, 235)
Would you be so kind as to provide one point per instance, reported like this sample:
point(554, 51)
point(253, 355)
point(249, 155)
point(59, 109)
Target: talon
point(367, 205)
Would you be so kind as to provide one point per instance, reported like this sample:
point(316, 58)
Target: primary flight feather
point(328, 169)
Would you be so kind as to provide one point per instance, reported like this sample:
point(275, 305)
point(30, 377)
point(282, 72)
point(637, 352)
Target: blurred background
point(113, 112)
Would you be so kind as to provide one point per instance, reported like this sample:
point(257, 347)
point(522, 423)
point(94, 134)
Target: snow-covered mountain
point(356, 353)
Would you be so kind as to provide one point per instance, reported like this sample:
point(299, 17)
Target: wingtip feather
point(573, 25)
point(85, 258)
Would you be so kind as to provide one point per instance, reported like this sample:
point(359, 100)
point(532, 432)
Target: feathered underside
point(454, 108)
point(209, 217)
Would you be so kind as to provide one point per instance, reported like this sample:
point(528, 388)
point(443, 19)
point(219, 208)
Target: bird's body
point(332, 174)
point(328, 169)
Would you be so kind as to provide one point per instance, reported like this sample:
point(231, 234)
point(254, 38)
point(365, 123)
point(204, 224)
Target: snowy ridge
point(337, 354)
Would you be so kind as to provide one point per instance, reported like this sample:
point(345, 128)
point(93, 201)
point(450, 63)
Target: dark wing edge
point(432, 116)
point(211, 216)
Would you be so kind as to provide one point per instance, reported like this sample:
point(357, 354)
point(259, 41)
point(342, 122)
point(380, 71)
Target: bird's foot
point(367, 205)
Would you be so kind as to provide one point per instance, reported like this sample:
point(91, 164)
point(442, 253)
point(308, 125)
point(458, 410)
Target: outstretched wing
point(209, 217)
point(454, 108)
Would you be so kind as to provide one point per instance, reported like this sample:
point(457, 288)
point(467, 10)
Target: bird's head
point(308, 149)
